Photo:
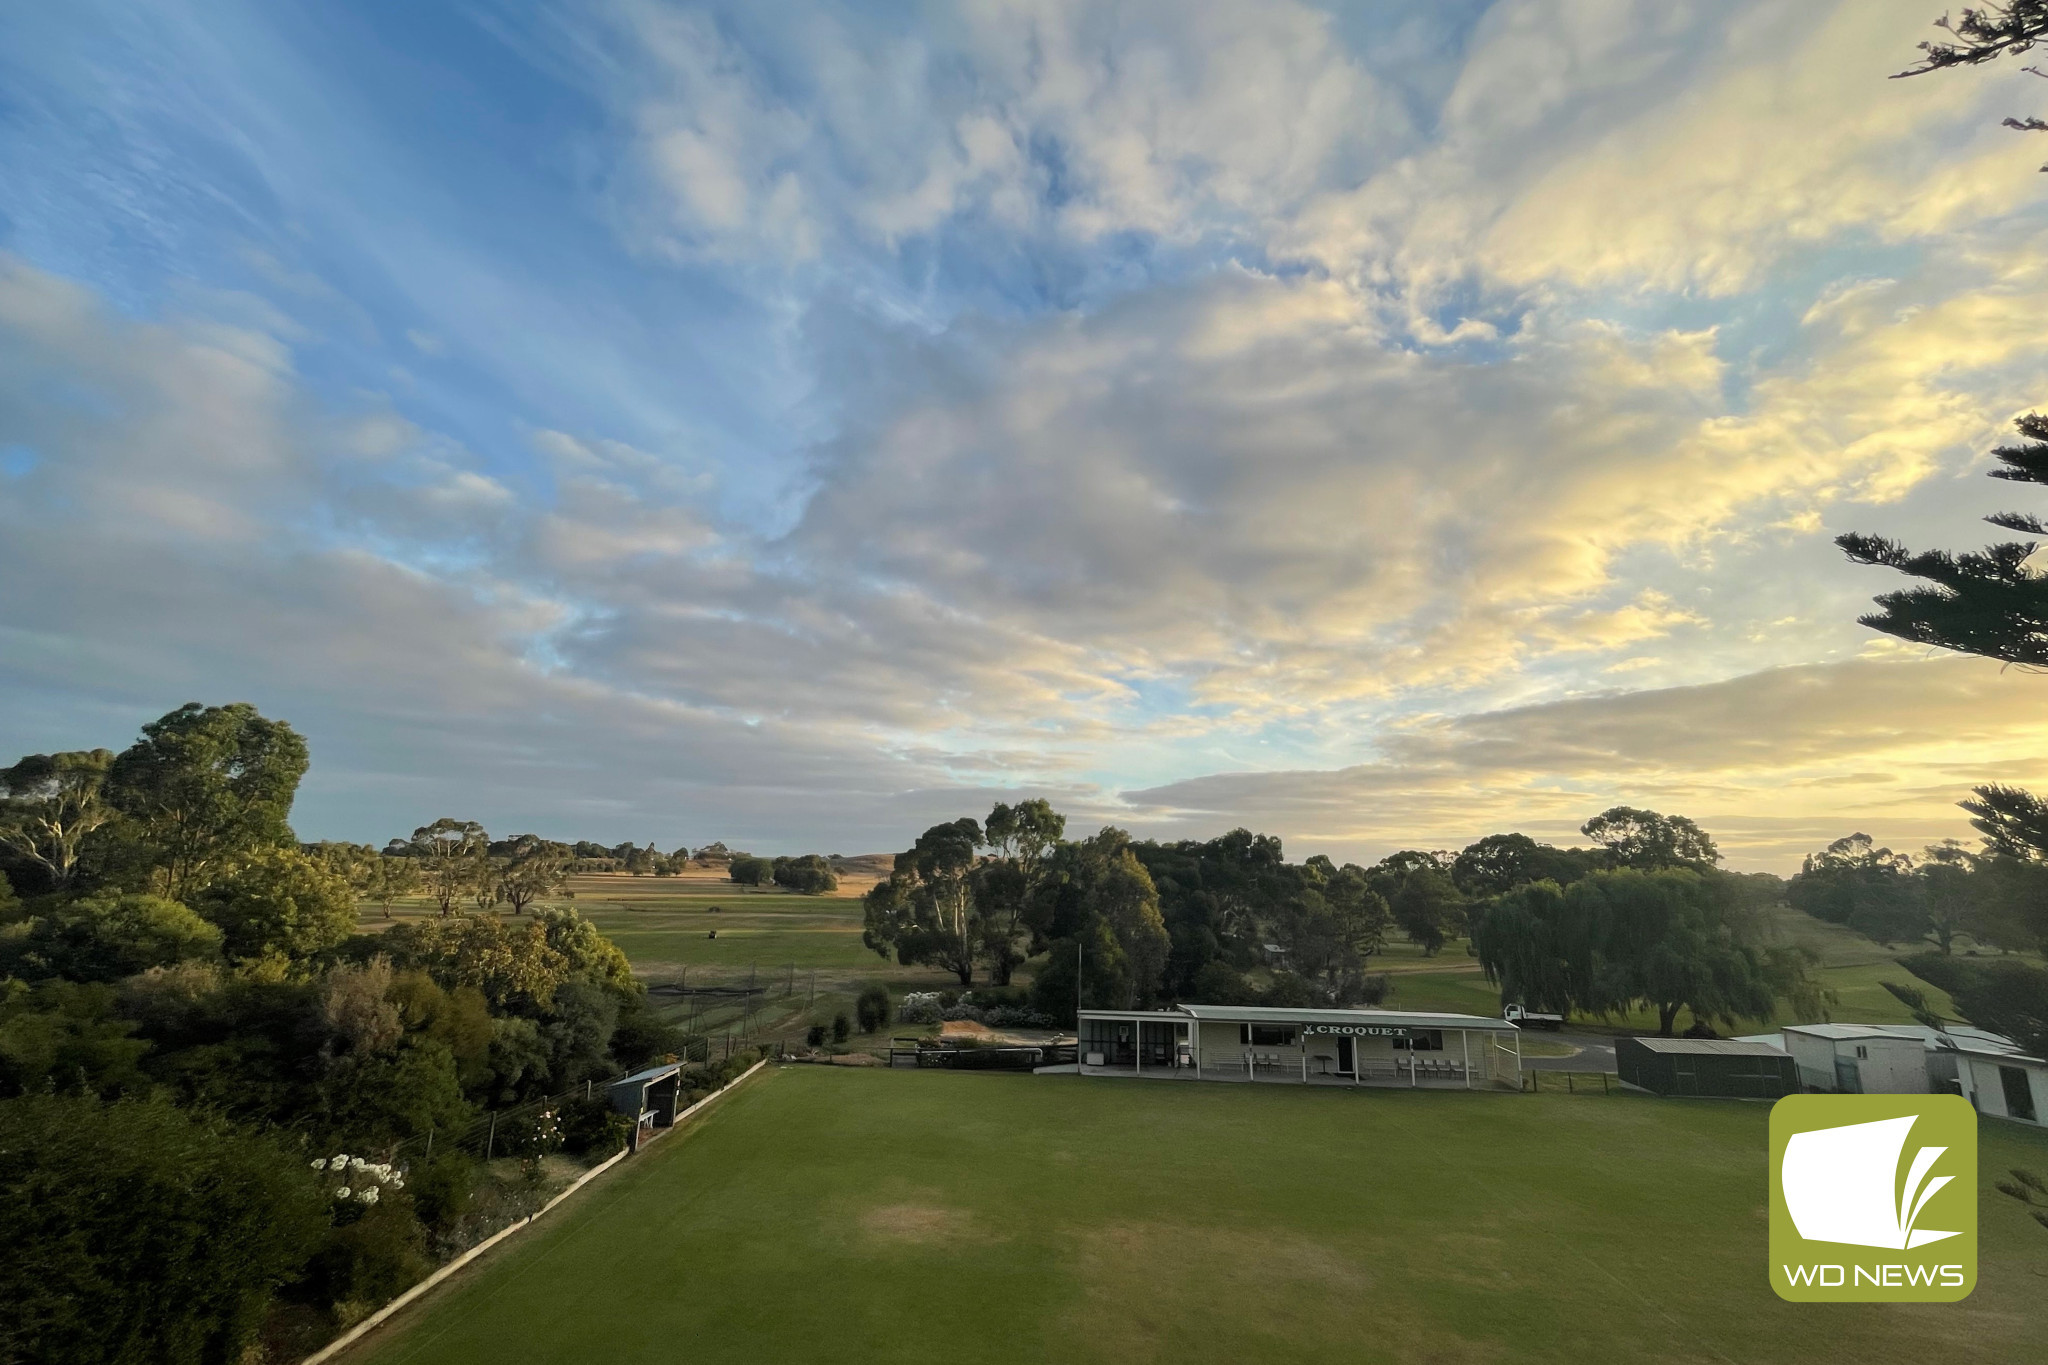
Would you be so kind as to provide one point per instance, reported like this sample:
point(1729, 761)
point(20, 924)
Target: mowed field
point(825, 1214)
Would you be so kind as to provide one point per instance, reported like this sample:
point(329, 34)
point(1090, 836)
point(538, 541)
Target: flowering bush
point(358, 1180)
point(919, 1007)
point(532, 1135)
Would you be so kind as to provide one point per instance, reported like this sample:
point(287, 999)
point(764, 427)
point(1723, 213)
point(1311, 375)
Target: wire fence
point(1570, 1082)
point(502, 1132)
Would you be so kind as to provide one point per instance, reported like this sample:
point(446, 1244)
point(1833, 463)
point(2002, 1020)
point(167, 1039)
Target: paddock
point(1260, 1045)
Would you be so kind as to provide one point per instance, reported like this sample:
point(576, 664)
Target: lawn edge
point(356, 1334)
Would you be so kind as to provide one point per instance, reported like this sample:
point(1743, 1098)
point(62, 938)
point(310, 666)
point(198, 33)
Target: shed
point(1706, 1066)
point(2006, 1085)
point(1859, 1059)
point(649, 1097)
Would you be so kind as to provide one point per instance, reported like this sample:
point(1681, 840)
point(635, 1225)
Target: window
point(1266, 1035)
point(1862, 1053)
point(1422, 1040)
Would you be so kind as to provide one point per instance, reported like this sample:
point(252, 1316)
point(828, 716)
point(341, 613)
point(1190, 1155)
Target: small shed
point(1706, 1066)
point(649, 1097)
point(1859, 1059)
point(2005, 1084)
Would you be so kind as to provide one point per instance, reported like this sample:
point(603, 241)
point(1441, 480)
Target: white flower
point(320, 1163)
point(369, 1196)
point(383, 1170)
point(357, 1163)
point(341, 1191)
point(397, 1182)
point(337, 1162)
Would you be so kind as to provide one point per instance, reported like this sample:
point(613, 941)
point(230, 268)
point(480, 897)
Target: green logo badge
point(1873, 1198)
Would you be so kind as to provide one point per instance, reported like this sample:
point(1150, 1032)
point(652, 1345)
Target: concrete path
point(1595, 1052)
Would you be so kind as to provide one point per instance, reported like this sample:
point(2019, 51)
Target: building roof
point(1260, 1014)
point(1845, 1032)
point(2002, 1056)
point(1718, 1047)
point(1955, 1036)
point(649, 1076)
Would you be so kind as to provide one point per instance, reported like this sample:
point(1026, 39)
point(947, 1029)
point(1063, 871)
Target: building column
point(1465, 1035)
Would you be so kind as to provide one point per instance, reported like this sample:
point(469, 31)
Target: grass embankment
point(889, 1216)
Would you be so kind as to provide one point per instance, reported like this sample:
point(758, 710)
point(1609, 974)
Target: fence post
point(491, 1143)
point(1568, 1083)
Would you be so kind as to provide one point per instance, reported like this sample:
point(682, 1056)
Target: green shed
point(1706, 1066)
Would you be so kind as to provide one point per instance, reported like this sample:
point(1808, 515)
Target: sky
point(1375, 424)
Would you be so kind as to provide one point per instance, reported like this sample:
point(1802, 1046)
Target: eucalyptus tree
point(454, 857)
point(205, 789)
point(50, 803)
point(535, 868)
point(924, 912)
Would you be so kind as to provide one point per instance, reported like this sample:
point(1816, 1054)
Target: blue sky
point(794, 424)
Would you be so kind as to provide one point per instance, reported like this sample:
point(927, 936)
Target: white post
point(1518, 1059)
point(1138, 1029)
point(1465, 1036)
point(1304, 1056)
point(1412, 1082)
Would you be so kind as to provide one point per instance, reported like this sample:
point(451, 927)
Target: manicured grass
point(820, 1214)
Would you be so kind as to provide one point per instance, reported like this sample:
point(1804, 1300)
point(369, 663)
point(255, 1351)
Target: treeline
point(1995, 897)
point(1642, 918)
point(186, 1004)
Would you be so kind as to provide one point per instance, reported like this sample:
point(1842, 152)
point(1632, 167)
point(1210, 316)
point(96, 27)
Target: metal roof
point(1844, 1032)
point(1259, 1014)
point(649, 1076)
point(1955, 1036)
point(2000, 1055)
point(1720, 1047)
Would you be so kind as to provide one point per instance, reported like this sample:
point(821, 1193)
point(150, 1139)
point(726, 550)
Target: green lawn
point(820, 1214)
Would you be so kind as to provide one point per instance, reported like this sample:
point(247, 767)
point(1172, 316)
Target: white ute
point(1523, 1018)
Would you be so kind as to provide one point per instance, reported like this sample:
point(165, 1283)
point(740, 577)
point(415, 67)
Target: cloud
point(1774, 763)
point(766, 140)
point(899, 407)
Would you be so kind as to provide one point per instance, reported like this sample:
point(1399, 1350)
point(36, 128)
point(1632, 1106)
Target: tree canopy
point(206, 787)
point(1665, 940)
point(50, 803)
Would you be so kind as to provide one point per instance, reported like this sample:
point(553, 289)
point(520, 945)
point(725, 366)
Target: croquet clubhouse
point(1302, 1046)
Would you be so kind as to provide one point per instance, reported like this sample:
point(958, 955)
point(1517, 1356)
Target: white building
point(1303, 1046)
point(2006, 1085)
point(1858, 1059)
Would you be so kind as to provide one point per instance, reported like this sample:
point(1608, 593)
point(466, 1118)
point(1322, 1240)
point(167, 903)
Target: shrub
point(441, 1191)
point(374, 1253)
point(137, 1232)
point(530, 1135)
point(919, 1007)
point(593, 1128)
point(842, 1028)
point(815, 1035)
point(872, 1009)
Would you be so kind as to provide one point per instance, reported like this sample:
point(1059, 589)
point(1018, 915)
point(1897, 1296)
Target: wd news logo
point(1873, 1198)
